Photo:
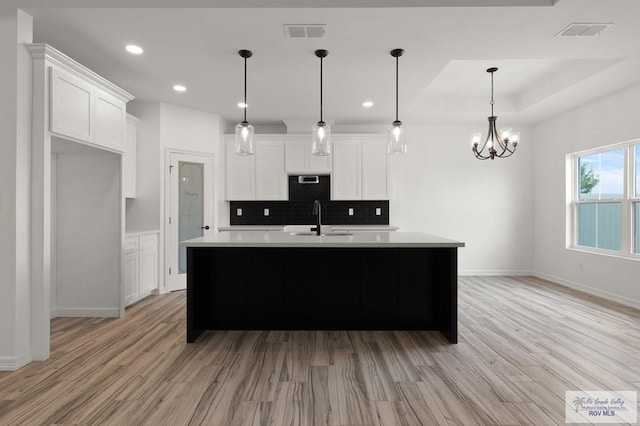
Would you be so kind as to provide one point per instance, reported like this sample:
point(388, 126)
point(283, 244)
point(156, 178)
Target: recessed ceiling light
point(132, 48)
point(179, 88)
point(242, 105)
point(367, 104)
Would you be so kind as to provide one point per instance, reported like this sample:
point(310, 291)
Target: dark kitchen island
point(280, 281)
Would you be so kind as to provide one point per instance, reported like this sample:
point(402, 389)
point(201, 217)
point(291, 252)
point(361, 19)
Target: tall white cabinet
point(80, 117)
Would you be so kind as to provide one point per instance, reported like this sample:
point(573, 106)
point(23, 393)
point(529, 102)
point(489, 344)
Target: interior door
point(191, 209)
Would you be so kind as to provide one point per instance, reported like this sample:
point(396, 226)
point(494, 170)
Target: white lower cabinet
point(140, 266)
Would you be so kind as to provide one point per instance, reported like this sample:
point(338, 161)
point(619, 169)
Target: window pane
point(601, 176)
point(599, 225)
point(609, 226)
point(636, 226)
point(637, 176)
point(587, 225)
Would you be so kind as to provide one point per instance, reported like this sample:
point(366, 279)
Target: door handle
point(204, 227)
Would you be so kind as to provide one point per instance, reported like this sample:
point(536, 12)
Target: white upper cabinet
point(346, 181)
point(110, 121)
point(271, 181)
point(240, 173)
point(299, 159)
point(72, 104)
point(360, 168)
point(129, 158)
point(375, 169)
point(84, 107)
point(260, 176)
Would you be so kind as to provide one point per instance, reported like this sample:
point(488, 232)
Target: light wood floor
point(523, 343)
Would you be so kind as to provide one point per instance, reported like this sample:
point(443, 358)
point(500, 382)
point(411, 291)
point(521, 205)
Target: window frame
point(630, 200)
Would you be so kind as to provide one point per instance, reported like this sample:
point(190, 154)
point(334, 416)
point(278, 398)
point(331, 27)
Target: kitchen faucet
point(317, 212)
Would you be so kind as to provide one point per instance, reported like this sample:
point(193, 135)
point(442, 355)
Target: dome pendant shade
point(321, 137)
point(244, 138)
point(244, 130)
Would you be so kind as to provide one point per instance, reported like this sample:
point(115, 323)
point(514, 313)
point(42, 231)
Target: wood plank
point(523, 343)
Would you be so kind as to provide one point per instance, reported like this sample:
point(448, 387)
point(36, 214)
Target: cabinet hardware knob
point(204, 227)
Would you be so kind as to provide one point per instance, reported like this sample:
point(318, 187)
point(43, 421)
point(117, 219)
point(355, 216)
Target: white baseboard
point(623, 300)
point(12, 363)
point(87, 312)
point(494, 272)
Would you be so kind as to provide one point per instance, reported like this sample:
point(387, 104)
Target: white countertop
point(355, 228)
point(285, 239)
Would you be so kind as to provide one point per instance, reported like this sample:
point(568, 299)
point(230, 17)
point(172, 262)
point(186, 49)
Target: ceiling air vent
point(583, 29)
point(305, 30)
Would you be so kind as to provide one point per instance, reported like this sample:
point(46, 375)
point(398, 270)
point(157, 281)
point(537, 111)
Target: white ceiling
point(442, 75)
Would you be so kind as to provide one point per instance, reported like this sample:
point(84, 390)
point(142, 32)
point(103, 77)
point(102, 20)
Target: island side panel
point(199, 271)
point(446, 273)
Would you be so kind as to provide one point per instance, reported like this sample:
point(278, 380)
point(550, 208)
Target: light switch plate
point(238, 212)
point(266, 212)
point(350, 211)
point(378, 211)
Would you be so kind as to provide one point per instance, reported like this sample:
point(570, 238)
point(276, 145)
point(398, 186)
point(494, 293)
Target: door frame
point(165, 229)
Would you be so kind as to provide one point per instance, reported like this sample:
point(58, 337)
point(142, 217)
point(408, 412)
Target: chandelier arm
point(479, 155)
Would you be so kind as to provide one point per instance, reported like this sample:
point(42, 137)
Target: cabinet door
point(241, 175)
point(110, 121)
point(129, 161)
point(148, 264)
point(347, 163)
point(148, 271)
point(130, 278)
point(375, 170)
point(295, 157)
point(270, 173)
point(318, 163)
point(71, 106)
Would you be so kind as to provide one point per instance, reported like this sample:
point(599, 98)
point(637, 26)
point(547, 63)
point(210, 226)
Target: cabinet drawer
point(130, 245)
point(148, 242)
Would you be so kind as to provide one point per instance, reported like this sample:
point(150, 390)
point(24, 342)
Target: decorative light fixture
point(321, 130)
point(501, 145)
point(244, 130)
point(396, 136)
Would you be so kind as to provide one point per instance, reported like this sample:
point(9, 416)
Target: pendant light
point(501, 145)
point(244, 130)
point(321, 130)
point(396, 136)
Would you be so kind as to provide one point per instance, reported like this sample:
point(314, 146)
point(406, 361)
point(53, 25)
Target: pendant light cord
point(245, 89)
point(396, 88)
point(321, 89)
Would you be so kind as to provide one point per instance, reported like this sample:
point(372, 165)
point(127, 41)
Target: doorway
point(189, 210)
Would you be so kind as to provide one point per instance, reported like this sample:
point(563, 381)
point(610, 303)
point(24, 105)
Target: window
point(606, 199)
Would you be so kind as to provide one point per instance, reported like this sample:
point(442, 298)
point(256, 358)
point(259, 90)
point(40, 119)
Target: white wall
point(143, 212)
point(88, 247)
point(16, 29)
point(162, 127)
point(440, 188)
point(602, 122)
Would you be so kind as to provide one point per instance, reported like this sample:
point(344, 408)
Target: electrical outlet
point(378, 211)
point(266, 212)
point(238, 212)
point(350, 211)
